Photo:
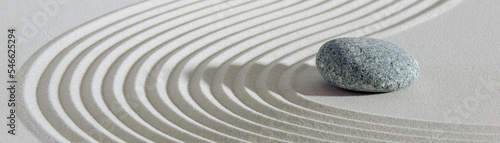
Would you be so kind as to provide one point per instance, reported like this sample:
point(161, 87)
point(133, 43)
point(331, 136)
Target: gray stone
point(365, 64)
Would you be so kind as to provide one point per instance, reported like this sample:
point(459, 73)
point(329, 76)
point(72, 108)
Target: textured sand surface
point(216, 71)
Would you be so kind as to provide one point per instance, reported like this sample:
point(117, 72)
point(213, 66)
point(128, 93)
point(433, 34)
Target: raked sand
point(243, 71)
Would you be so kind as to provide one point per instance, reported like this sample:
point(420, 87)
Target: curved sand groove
point(139, 74)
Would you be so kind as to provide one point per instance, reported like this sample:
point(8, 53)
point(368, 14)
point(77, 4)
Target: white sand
point(239, 71)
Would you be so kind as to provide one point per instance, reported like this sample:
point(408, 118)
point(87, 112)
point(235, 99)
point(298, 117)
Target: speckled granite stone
point(365, 64)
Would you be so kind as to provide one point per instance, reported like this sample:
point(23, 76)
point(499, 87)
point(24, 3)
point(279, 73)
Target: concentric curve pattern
point(215, 71)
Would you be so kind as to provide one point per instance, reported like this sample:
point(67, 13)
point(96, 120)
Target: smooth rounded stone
point(365, 64)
